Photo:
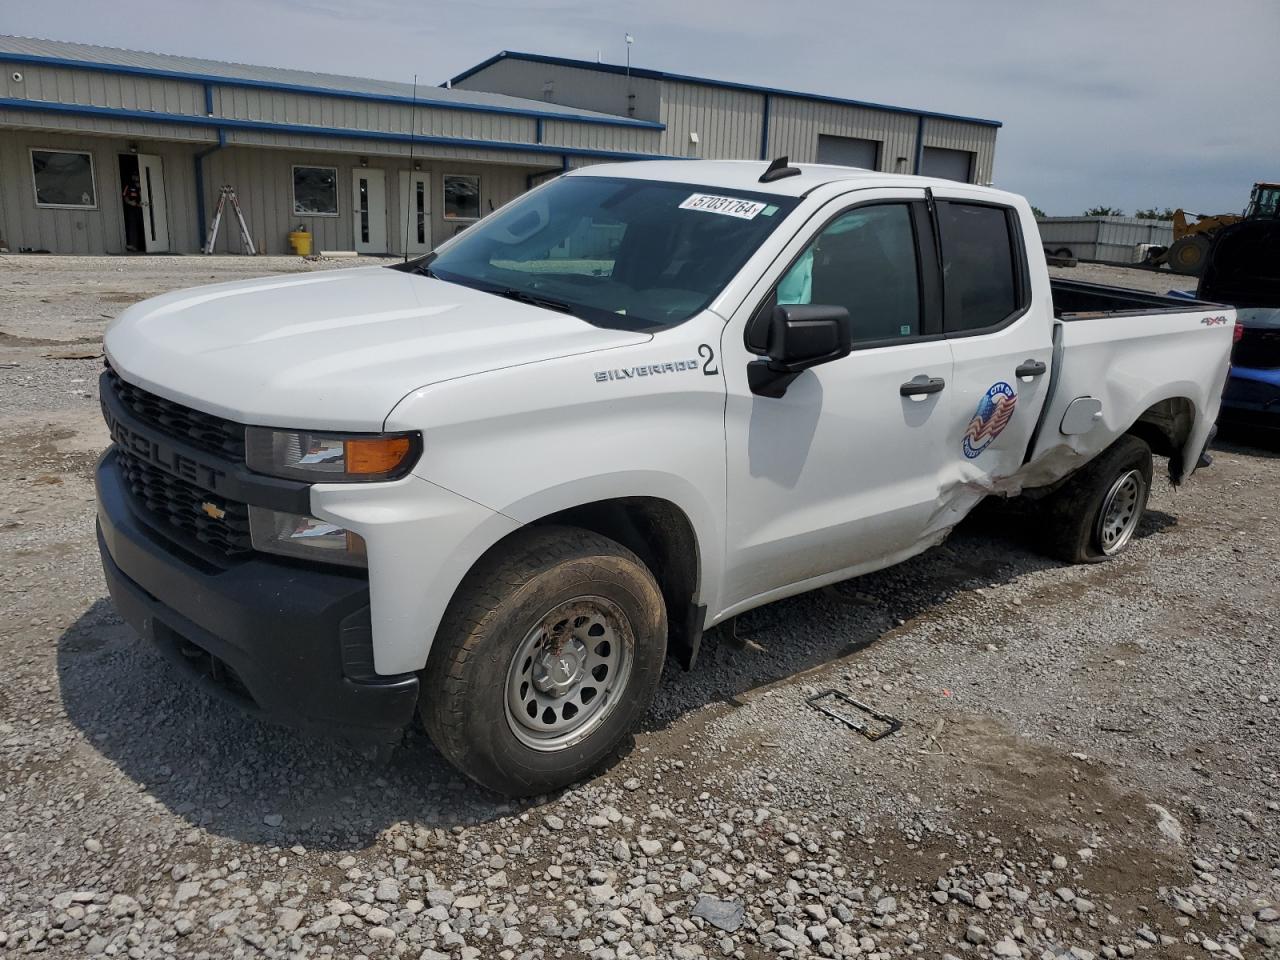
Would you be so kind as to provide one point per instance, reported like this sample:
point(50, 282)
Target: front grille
point(1258, 348)
point(185, 510)
point(201, 430)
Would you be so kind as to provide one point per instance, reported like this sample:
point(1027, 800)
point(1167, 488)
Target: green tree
point(1038, 212)
point(1154, 214)
point(1104, 212)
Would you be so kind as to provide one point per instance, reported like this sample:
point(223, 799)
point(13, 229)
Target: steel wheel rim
point(568, 672)
point(1121, 510)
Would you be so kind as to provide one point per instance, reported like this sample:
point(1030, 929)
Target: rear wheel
point(1095, 514)
point(548, 655)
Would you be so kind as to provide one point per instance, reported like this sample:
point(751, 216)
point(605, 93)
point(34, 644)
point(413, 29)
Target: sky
point(1121, 103)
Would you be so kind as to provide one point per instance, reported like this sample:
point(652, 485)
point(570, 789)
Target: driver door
point(842, 473)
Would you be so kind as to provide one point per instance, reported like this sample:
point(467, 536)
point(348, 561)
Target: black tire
point(521, 587)
point(1187, 256)
point(1063, 252)
point(1071, 515)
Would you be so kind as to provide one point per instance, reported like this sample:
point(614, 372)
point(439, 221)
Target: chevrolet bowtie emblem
point(213, 510)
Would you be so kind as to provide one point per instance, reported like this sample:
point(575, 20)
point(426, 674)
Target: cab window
point(980, 271)
point(865, 261)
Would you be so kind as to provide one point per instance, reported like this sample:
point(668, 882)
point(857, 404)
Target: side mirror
point(800, 336)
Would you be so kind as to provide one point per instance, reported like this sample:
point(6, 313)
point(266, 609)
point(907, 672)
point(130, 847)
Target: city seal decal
point(995, 410)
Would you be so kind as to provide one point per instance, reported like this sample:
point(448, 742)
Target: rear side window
point(865, 260)
point(981, 273)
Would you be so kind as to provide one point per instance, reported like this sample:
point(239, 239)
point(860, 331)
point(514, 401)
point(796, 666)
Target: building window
point(64, 178)
point(315, 191)
point(461, 197)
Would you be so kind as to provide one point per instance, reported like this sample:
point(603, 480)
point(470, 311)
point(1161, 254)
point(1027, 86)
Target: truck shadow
point(232, 776)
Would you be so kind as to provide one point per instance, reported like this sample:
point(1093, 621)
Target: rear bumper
point(1252, 398)
point(288, 642)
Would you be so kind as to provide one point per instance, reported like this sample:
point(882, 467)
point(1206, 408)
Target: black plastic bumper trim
point(267, 636)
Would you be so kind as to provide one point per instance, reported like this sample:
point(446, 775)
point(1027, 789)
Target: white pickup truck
point(495, 485)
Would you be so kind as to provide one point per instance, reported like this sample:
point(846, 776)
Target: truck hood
point(332, 350)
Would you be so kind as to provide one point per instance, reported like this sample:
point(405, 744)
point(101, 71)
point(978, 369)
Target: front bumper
point(289, 642)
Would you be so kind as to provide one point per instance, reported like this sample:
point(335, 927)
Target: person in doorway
point(134, 241)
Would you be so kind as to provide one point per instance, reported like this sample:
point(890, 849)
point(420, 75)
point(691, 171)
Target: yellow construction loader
point(1193, 238)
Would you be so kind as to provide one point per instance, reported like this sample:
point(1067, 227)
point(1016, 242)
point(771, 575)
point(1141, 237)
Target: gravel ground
point(1088, 765)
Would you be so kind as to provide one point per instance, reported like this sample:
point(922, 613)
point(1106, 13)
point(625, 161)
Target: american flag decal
point(995, 410)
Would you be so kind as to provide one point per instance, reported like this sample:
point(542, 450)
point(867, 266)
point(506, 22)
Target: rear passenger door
point(1000, 335)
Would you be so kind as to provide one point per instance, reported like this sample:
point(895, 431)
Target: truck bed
point(1078, 300)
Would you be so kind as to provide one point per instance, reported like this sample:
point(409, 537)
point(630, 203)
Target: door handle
point(920, 387)
point(1030, 369)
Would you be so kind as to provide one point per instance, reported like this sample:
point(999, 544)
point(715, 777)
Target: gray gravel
point(1088, 766)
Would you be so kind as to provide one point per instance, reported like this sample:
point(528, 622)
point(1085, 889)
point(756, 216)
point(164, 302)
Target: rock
point(93, 846)
point(326, 924)
point(622, 850)
point(273, 819)
point(288, 919)
point(1268, 915)
point(792, 935)
point(1059, 862)
point(650, 848)
point(886, 905)
point(975, 935)
point(552, 822)
point(185, 892)
point(1080, 953)
point(1166, 823)
point(1184, 906)
point(433, 955)
point(631, 783)
point(1212, 946)
point(1065, 894)
point(601, 894)
point(183, 926)
point(982, 902)
point(496, 881)
point(388, 891)
point(384, 934)
point(440, 898)
point(472, 902)
point(1006, 948)
point(817, 933)
point(727, 915)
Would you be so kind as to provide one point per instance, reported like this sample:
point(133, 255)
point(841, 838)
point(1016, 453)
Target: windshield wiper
point(511, 293)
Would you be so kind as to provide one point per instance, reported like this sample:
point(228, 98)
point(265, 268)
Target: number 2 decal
point(708, 360)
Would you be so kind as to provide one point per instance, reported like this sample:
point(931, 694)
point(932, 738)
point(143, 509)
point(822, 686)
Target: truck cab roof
point(744, 175)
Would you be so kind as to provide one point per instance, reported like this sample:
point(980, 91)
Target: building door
point(369, 204)
point(415, 212)
point(849, 151)
point(155, 212)
point(947, 164)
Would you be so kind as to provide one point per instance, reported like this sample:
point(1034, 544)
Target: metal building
point(1108, 239)
point(716, 119)
point(375, 166)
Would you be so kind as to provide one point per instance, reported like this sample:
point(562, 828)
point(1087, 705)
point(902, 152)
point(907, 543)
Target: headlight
point(307, 538)
point(332, 457)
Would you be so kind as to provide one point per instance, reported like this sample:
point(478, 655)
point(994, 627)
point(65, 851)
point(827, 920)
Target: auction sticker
point(728, 206)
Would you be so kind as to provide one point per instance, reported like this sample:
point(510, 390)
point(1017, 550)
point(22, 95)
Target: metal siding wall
point(727, 122)
point(263, 180)
point(89, 231)
point(572, 86)
point(136, 129)
point(958, 135)
point(561, 133)
point(129, 92)
point(336, 111)
point(794, 125)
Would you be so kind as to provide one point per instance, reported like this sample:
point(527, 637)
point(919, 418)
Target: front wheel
point(548, 655)
point(1095, 514)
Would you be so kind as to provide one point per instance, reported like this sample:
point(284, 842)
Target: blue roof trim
point(217, 80)
point(647, 74)
point(222, 124)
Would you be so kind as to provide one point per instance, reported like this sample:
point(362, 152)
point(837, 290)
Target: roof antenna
point(408, 200)
point(778, 170)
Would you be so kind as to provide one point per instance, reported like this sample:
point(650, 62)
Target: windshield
point(627, 254)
